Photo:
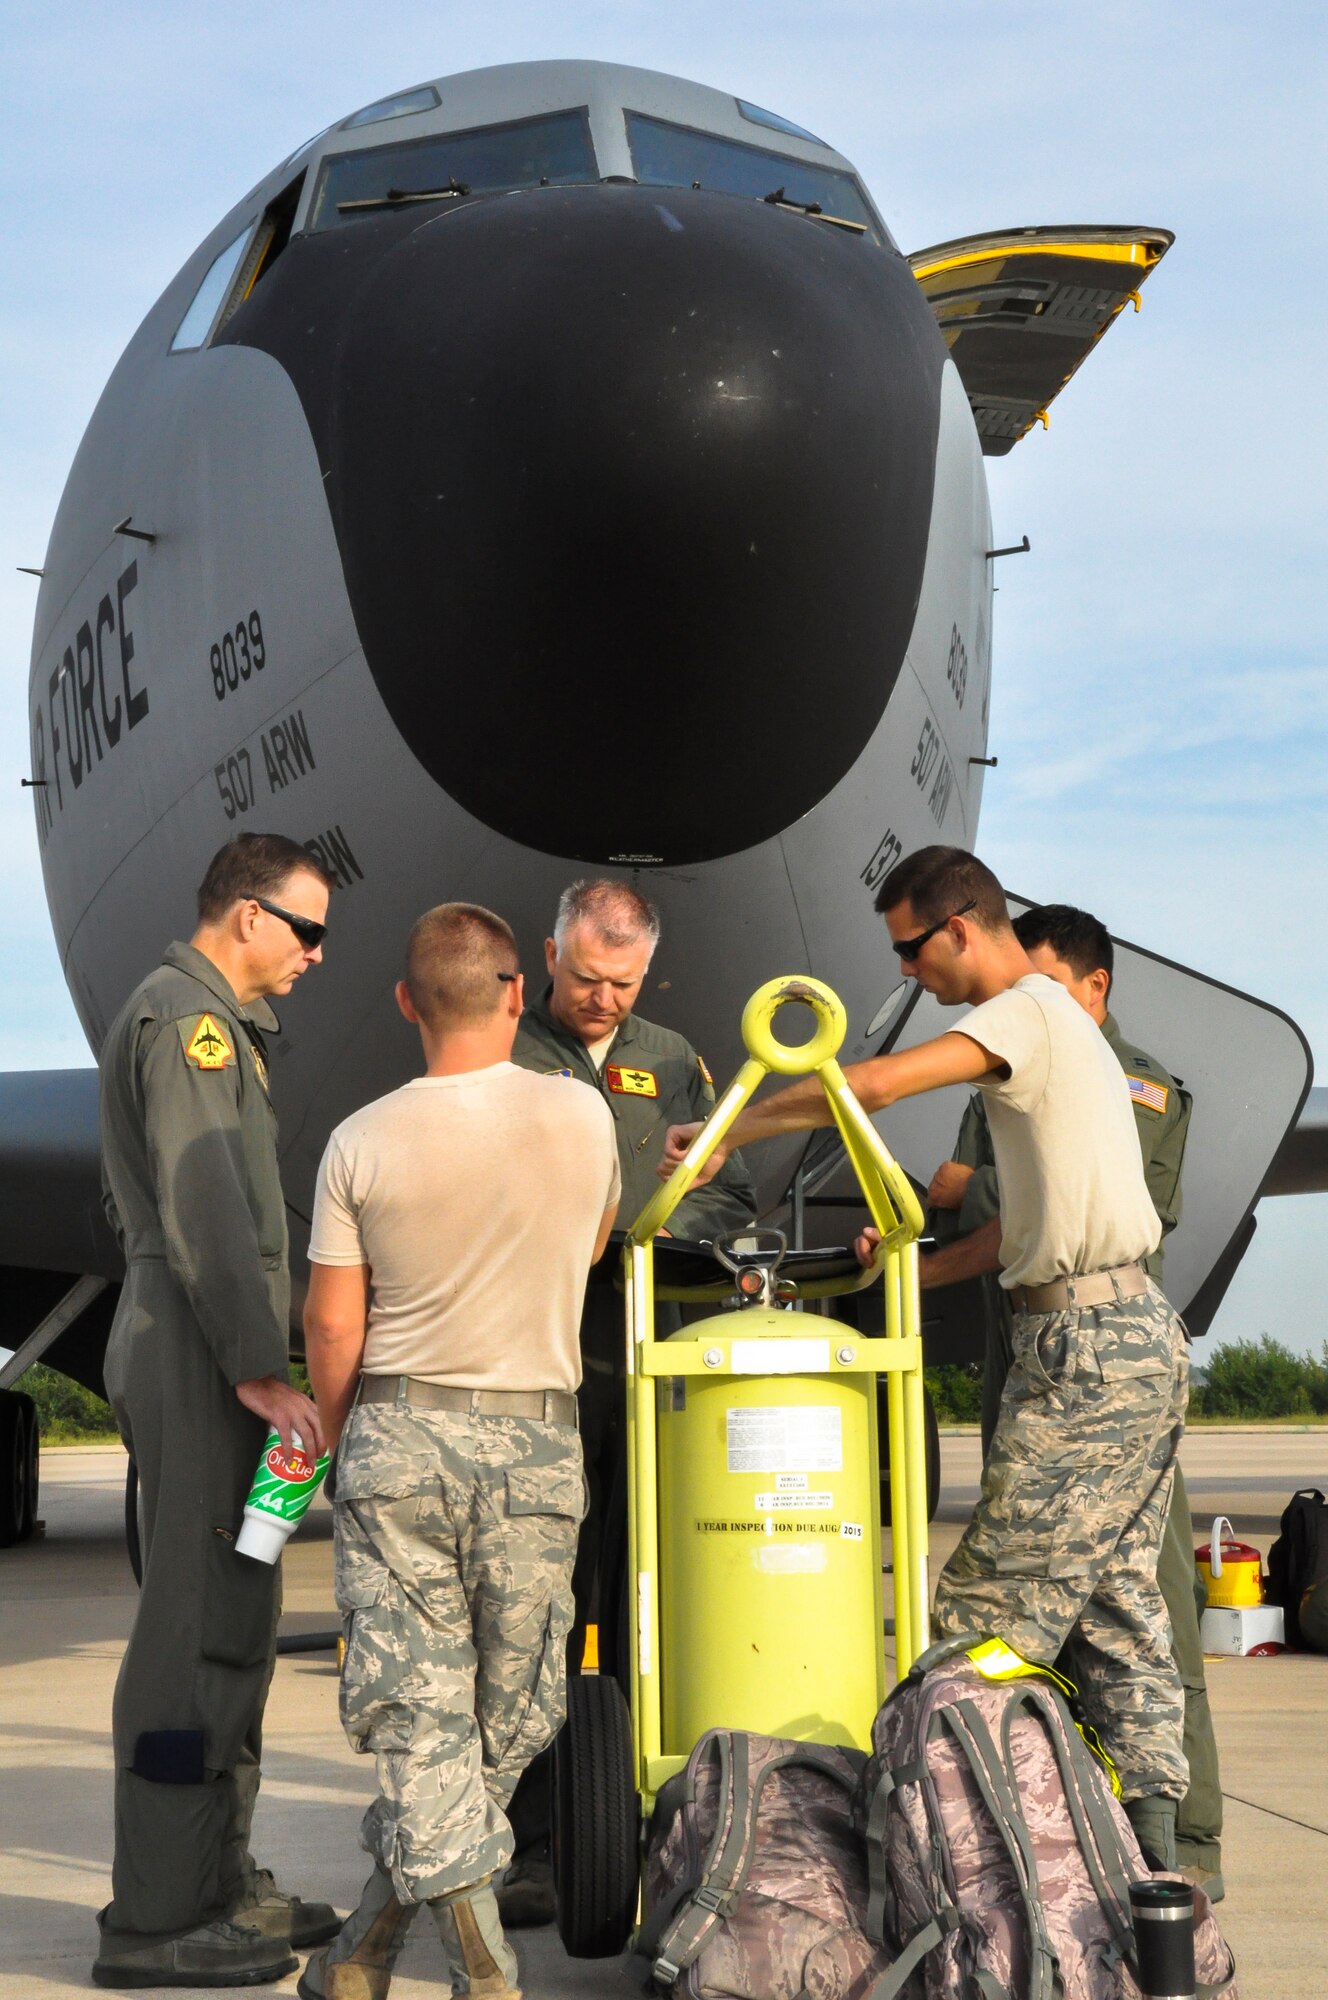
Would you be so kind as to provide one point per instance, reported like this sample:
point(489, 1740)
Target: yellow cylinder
point(770, 1553)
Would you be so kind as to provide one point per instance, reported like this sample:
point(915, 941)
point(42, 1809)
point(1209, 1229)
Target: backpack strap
point(1104, 1853)
point(1002, 1801)
point(1008, 1819)
point(676, 1930)
point(896, 1977)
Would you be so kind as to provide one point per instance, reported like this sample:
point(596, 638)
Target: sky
point(1160, 694)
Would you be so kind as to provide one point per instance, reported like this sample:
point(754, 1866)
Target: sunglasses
point(908, 948)
point(306, 930)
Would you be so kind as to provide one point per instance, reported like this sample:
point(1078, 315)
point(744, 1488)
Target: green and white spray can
point(284, 1484)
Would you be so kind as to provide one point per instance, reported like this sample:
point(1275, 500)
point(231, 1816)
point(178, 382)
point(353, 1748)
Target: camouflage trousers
point(455, 1540)
point(1063, 1545)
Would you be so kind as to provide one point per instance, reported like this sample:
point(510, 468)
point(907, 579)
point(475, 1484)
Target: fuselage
point(530, 495)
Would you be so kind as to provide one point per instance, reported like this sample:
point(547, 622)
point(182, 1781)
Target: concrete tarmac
point(67, 1599)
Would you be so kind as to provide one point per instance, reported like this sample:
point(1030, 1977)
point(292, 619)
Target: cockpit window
point(537, 152)
point(676, 156)
point(194, 327)
point(774, 123)
point(404, 105)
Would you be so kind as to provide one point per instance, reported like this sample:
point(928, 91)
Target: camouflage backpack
point(999, 1859)
point(756, 1882)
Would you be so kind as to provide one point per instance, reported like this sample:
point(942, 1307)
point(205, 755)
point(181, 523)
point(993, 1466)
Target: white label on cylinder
point(767, 1503)
point(645, 1638)
point(851, 1531)
point(790, 1482)
point(780, 1357)
point(801, 1438)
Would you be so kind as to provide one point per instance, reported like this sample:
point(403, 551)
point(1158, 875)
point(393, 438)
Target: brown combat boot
point(358, 1963)
point(479, 1960)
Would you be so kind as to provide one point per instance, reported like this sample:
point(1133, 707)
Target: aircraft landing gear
point(20, 1450)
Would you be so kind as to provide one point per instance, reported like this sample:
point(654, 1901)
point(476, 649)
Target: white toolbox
point(1247, 1630)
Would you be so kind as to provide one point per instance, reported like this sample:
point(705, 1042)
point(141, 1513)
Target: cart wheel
point(595, 1820)
point(18, 1430)
point(933, 1437)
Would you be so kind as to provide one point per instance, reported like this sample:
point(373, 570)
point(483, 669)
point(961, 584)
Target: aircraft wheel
point(18, 1446)
point(132, 1526)
point(595, 1822)
point(933, 1442)
point(34, 1467)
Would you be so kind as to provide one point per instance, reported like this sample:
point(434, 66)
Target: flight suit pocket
point(374, 1669)
point(241, 1600)
point(547, 1489)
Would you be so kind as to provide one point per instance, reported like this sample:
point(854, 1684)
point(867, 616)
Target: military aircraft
point(551, 469)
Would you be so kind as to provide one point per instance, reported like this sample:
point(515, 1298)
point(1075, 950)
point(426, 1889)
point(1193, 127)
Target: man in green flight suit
point(583, 1027)
point(1075, 949)
point(196, 1371)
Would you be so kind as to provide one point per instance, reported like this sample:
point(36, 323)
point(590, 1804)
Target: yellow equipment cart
point(754, 1543)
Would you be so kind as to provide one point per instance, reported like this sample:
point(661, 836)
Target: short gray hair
point(617, 913)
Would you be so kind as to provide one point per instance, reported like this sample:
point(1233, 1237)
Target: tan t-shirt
point(474, 1200)
point(1073, 1194)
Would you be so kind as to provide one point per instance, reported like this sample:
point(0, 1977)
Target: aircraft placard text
point(237, 656)
point(956, 667)
point(932, 767)
point(287, 755)
point(90, 696)
point(888, 849)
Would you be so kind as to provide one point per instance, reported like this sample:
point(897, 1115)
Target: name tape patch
point(631, 1082)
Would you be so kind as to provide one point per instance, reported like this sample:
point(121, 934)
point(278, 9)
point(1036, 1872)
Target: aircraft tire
point(595, 1819)
point(18, 1446)
point(133, 1534)
point(933, 1442)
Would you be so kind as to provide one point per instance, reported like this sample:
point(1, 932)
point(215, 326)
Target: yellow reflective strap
point(996, 1661)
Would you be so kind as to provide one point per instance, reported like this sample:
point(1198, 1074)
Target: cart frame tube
point(898, 1216)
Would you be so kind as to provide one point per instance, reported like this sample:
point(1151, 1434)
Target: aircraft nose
point(633, 490)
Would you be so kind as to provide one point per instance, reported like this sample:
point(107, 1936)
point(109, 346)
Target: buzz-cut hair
point(459, 959)
point(617, 913)
point(1077, 938)
point(254, 864)
point(939, 882)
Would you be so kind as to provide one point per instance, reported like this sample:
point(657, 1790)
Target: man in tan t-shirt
point(1064, 1541)
point(455, 1223)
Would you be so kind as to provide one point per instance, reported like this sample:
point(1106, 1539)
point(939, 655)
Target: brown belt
point(547, 1406)
point(1096, 1288)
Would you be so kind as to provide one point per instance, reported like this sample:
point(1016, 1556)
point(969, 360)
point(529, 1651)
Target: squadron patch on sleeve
point(1153, 1095)
point(631, 1082)
point(205, 1046)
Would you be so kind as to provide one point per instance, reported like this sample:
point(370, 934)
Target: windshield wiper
point(396, 197)
point(779, 200)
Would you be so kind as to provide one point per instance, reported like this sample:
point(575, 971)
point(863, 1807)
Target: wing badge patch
point(207, 1047)
point(631, 1082)
point(1154, 1095)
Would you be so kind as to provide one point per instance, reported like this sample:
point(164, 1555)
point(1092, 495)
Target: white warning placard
point(801, 1438)
point(780, 1357)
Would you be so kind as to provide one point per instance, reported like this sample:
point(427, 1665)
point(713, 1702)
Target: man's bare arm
point(336, 1315)
point(969, 1256)
point(607, 1221)
point(882, 1080)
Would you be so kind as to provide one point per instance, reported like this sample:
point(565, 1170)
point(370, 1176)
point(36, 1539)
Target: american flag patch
point(1154, 1095)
